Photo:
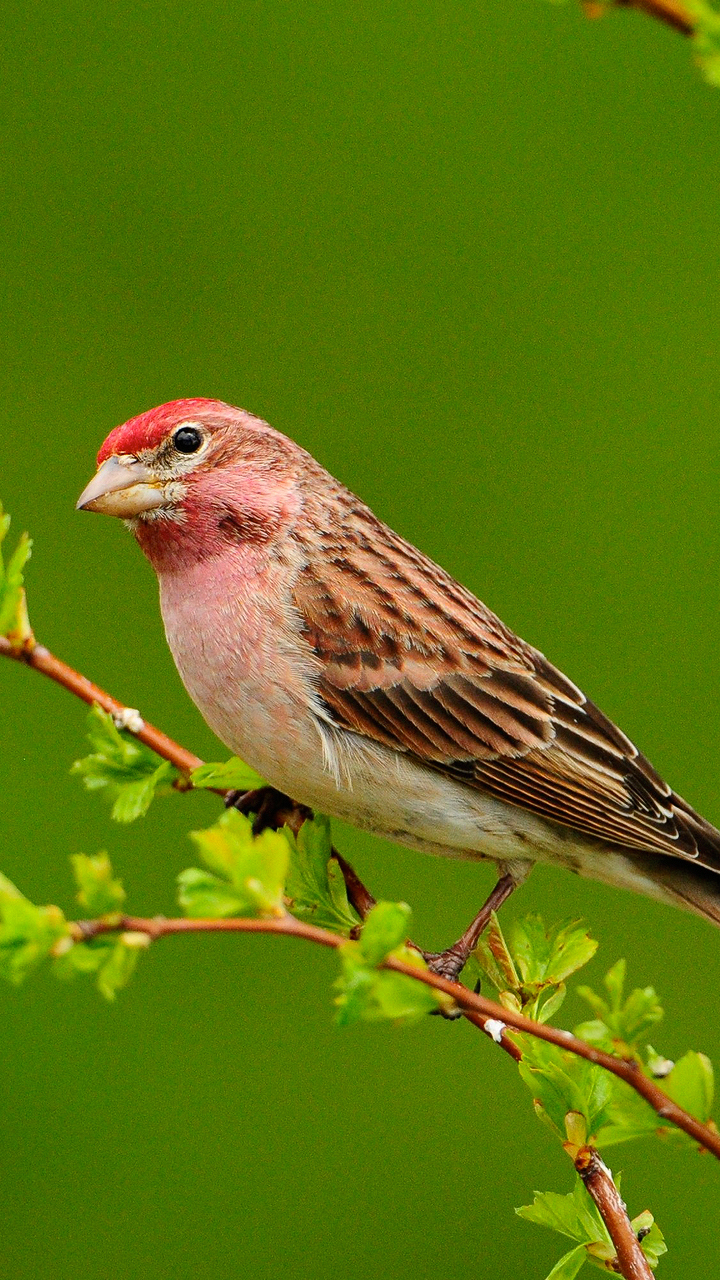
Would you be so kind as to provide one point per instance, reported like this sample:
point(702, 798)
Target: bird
point(359, 678)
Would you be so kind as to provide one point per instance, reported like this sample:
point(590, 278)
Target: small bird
point(358, 677)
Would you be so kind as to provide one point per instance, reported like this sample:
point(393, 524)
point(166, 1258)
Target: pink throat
point(228, 511)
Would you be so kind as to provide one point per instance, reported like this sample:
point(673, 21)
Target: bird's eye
point(187, 439)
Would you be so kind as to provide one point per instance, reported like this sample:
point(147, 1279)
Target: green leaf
point(386, 928)
point(652, 1240)
point(127, 771)
point(13, 619)
point(619, 1023)
point(119, 966)
point(28, 933)
point(569, 1265)
point(628, 1116)
point(529, 973)
point(706, 41)
point(201, 894)
point(99, 894)
point(371, 994)
point(576, 1216)
point(571, 949)
point(228, 775)
point(691, 1084)
point(530, 948)
point(561, 1082)
point(82, 957)
point(573, 1215)
point(315, 885)
point(247, 872)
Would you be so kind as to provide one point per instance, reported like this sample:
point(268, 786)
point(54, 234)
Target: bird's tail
point(685, 884)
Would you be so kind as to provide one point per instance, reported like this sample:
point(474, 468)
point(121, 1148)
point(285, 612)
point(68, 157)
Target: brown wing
point(411, 659)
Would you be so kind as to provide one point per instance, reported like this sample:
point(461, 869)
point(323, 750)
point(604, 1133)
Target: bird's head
point(195, 474)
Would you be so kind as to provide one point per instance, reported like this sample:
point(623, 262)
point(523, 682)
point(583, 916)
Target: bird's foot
point(270, 809)
point(446, 964)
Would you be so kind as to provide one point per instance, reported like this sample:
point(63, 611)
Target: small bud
point(62, 946)
point(135, 939)
point(494, 1028)
point(128, 718)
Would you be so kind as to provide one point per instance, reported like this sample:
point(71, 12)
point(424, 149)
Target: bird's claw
point(270, 809)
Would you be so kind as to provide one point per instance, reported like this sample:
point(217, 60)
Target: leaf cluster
point(30, 934)
point(244, 875)
point(122, 767)
point(530, 969)
point(368, 993)
point(576, 1216)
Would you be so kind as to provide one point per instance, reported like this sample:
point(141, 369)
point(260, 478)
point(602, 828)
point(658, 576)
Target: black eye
point(187, 439)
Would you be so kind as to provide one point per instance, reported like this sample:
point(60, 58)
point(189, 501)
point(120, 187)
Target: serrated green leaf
point(123, 767)
point(99, 894)
point(530, 972)
point(228, 775)
point(614, 981)
point(595, 1032)
point(571, 949)
point(546, 1008)
point(315, 885)
point(12, 607)
point(629, 1116)
point(202, 894)
point(691, 1084)
point(133, 799)
point(573, 1215)
point(117, 969)
point(370, 994)
point(385, 928)
point(28, 933)
point(249, 871)
point(530, 948)
point(561, 1082)
point(569, 1265)
point(620, 1023)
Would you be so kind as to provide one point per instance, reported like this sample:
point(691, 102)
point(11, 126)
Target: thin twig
point(670, 12)
point(631, 1260)
point(42, 660)
point(477, 1009)
point(484, 1013)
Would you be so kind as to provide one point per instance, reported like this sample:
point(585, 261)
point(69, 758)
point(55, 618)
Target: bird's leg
point(448, 964)
point(358, 896)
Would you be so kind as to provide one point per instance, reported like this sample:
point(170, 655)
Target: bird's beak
point(122, 489)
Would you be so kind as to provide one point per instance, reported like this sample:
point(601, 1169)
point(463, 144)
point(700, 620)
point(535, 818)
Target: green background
point(467, 255)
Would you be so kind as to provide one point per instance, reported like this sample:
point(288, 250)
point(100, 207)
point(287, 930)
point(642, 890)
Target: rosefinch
point(359, 678)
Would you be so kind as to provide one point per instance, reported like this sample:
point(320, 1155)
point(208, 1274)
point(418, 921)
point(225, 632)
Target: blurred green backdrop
point(467, 255)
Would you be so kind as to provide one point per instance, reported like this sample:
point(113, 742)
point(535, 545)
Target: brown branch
point(670, 12)
point(42, 660)
point(484, 1013)
point(631, 1261)
point(477, 1009)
